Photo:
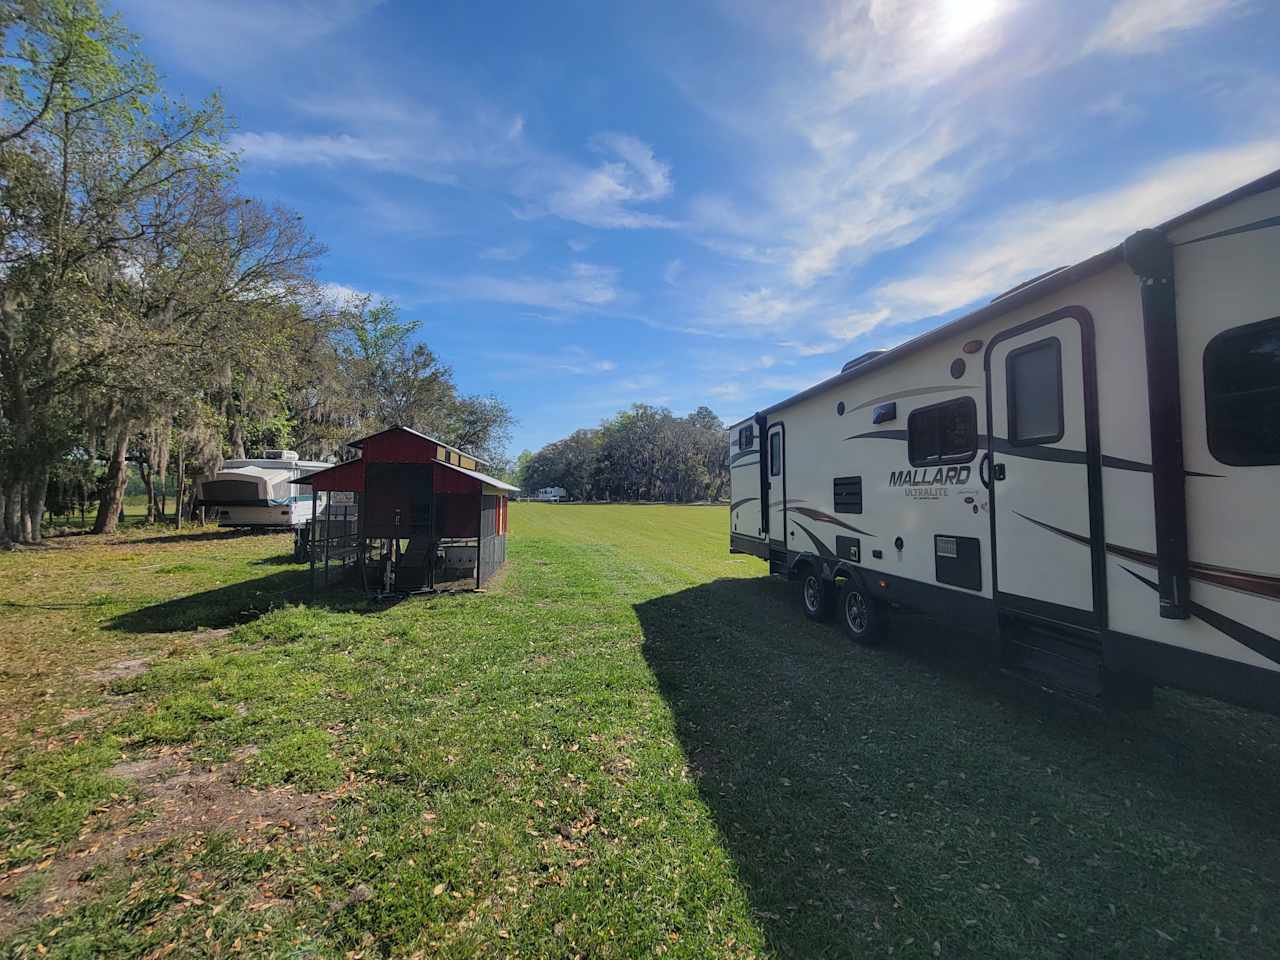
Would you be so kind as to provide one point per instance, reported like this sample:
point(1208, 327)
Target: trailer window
point(943, 433)
point(775, 453)
point(1034, 376)
point(746, 437)
point(1242, 394)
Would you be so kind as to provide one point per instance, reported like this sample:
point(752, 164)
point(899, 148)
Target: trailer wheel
point(817, 596)
point(859, 614)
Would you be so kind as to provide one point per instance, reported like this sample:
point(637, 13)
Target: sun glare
point(958, 19)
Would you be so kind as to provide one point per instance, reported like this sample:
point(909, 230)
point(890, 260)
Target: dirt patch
point(120, 670)
point(178, 798)
point(497, 580)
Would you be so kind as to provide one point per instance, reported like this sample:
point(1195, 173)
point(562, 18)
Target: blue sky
point(591, 204)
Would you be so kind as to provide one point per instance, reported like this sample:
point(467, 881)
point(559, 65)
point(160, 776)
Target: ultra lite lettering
point(926, 477)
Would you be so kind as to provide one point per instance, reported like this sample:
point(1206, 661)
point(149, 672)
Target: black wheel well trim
point(804, 562)
point(844, 571)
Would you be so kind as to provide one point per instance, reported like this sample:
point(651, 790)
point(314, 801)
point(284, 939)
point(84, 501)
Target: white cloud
point(876, 133)
point(766, 308)
point(208, 36)
point(340, 294)
point(884, 198)
point(585, 286)
point(672, 272)
point(573, 360)
point(505, 252)
point(604, 195)
point(326, 150)
point(1115, 107)
point(1144, 26)
point(888, 44)
point(1028, 240)
point(838, 332)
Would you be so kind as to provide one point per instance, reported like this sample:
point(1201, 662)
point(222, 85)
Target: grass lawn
point(634, 745)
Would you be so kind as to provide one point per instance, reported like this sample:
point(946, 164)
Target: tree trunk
point(149, 483)
point(112, 502)
point(13, 511)
point(24, 514)
point(37, 491)
point(5, 542)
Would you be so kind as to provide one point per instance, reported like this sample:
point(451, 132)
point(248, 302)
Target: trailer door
point(1043, 470)
point(776, 478)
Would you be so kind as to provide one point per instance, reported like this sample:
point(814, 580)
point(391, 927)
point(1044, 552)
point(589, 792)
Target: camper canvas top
point(1026, 292)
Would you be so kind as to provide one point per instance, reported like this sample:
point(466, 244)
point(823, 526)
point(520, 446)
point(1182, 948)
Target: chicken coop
point(409, 515)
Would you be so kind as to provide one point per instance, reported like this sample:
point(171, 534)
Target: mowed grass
point(633, 746)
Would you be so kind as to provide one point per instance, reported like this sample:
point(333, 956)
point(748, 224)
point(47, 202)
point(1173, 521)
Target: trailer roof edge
point(1019, 297)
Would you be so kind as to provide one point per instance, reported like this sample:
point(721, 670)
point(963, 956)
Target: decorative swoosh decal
point(827, 518)
point(738, 503)
point(1241, 633)
point(1243, 228)
point(742, 455)
point(1241, 581)
point(880, 435)
point(917, 392)
point(1050, 454)
point(823, 550)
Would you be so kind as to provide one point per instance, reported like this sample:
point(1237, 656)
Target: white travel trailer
point(1087, 469)
point(549, 495)
point(261, 492)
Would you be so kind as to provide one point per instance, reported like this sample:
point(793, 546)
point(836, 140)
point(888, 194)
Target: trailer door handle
point(987, 469)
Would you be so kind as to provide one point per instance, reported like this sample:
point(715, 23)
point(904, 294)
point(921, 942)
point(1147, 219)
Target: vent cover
point(847, 494)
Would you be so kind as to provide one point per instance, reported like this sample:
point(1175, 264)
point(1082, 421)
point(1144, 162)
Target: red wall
point(345, 476)
point(397, 446)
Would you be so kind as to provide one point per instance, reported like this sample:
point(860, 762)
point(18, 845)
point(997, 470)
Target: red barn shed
point(425, 517)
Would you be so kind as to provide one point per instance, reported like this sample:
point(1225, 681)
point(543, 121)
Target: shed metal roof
point(482, 477)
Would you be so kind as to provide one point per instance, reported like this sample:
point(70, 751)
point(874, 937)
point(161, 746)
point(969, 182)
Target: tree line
point(151, 314)
point(645, 453)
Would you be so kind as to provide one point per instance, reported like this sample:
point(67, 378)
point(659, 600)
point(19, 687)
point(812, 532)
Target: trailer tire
point(817, 596)
point(860, 615)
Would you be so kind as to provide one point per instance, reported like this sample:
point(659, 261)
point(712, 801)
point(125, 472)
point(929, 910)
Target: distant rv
point(549, 494)
point(261, 492)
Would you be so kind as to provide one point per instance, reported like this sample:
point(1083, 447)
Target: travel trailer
point(549, 495)
point(1086, 469)
point(260, 492)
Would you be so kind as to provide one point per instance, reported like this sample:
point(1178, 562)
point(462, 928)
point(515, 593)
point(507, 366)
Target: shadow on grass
point(279, 560)
point(891, 798)
point(219, 533)
point(239, 603)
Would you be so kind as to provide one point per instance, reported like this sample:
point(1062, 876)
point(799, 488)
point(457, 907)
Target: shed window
point(775, 453)
point(746, 438)
point(1034, 375)
point(943, 433)
point(1242, 394)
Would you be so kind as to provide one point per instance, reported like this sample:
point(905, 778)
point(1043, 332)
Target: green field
point(633, 745)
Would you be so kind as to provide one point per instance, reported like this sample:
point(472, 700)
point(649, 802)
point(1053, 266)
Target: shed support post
point(311, 546)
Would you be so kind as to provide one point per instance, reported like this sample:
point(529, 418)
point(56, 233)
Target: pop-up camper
point(1087, 468)
point(260, 492)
